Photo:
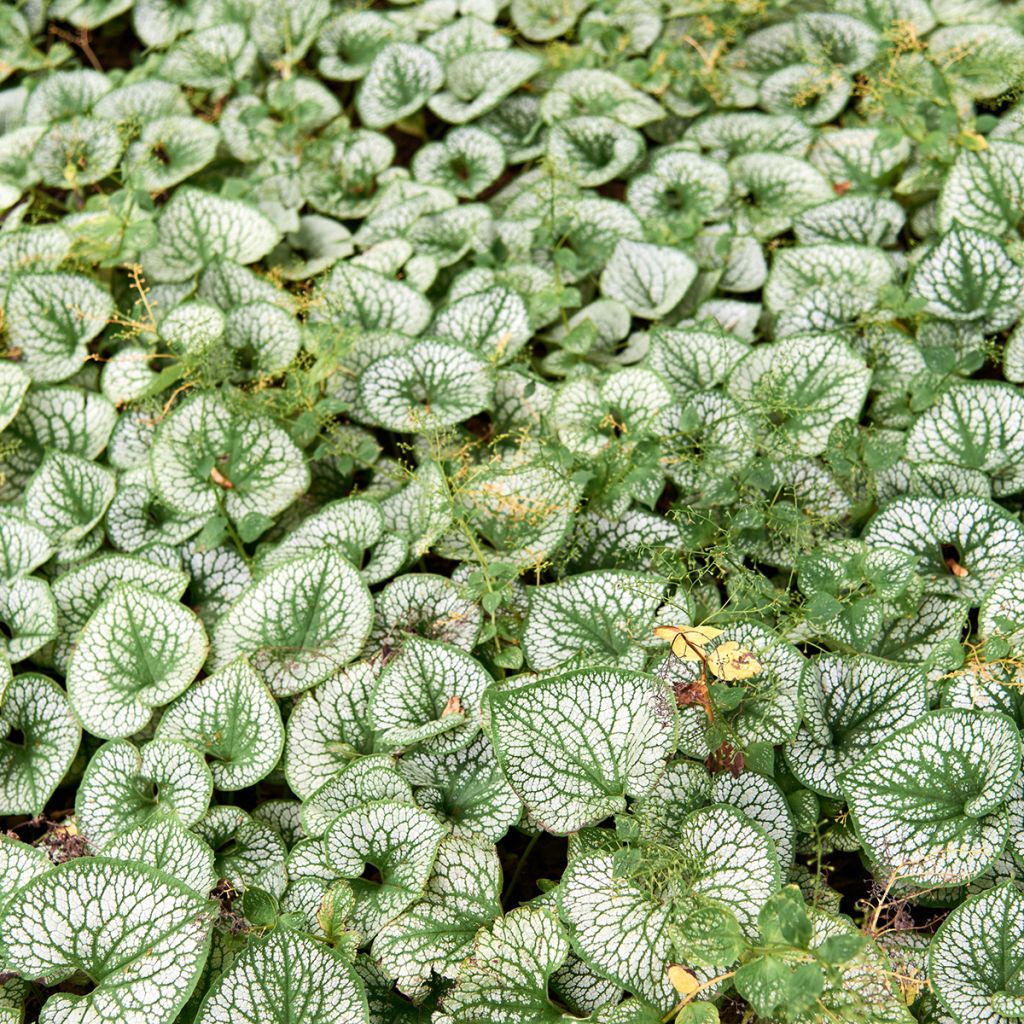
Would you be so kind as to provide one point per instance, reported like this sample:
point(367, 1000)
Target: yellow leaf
point(733, 663)
point(972, 140)
point(688, 641)
point(682, 980)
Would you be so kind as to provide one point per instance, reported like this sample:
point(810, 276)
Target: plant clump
point(510, 512)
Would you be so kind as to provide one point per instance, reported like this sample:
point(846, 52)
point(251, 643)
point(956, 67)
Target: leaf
point(247, 852)
point(506, 979)
point(165, 844)
point(522, 513)
point(19, 864)
point(169, 150)
point(436, 934)
point(967, 277)
point(930, 799)
point(802, 274)
point(983, 56)
point(51, 318)
point(427, 387)
point(329, 727)
point(680, 188)
point(14, 382)
point(732, 663)
point(400, 80)
point(975, 958)
point(604, 734)
point(984, 190)
point(79, 152)
point(29, 617)
point(848, 704)
point(478, 82)
point(1001, 614)
point(802, 386)
point(138, 651)
point(195, 228)
point(764, 803)
point(285, 974)
point(351, 295)
point(648, 279)
point(776, 188)
point(466, 789)
point(265, 338)
point(349, 42)
point(124, 787)
point(400, 841)
point(212, 58)
point(973, 534)
point(419, 603)
point(156, 938)
point(593, 150)
point(298, 624)
point(691, 359)
point(265, 469)
point(592, 617)
point(81, 590)
point(973, 425)
point(58, 418)
point(465, 163)
point(230, 717)
point(362, 780)
point(494, 323)
point(42, 739)
point(418, 688)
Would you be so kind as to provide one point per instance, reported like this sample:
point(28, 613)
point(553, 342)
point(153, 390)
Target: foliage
point(510, 511)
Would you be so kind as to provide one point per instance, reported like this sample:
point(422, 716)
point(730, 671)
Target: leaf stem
point(524, 857)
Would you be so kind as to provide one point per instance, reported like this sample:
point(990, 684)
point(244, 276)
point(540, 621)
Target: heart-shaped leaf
point(138, 651)
point(968, 277)
point(80, 591)
point(298, 624)
point(428, 696)
point(976, 957)
point(594, 617)
point(232, 719)
point(156, 939)
point(329, 727)
point(42, 736)
point(205, 457)
point(466, 789)
point(962, 546)
point(197, 227)
point(428, 386)
point(286, 973)
point(400, 841)
point(124, 787)
point(930, 799)
point(400, 80)
point(649, 280)
point(848, 703)
point(802, 387)
point(506, 979)
point(606, 734)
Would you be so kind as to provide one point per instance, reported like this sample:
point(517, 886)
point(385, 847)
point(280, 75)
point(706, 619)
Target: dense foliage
point(511, 511)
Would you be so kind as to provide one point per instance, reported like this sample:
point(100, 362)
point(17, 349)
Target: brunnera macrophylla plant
point(510, 512)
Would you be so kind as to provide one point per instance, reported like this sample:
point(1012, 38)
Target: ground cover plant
point(511, 512)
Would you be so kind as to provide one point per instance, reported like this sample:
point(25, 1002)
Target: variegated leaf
point(605, 734)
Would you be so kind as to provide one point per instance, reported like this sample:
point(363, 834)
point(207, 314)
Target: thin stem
point(524, 857)
point(696, 992)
